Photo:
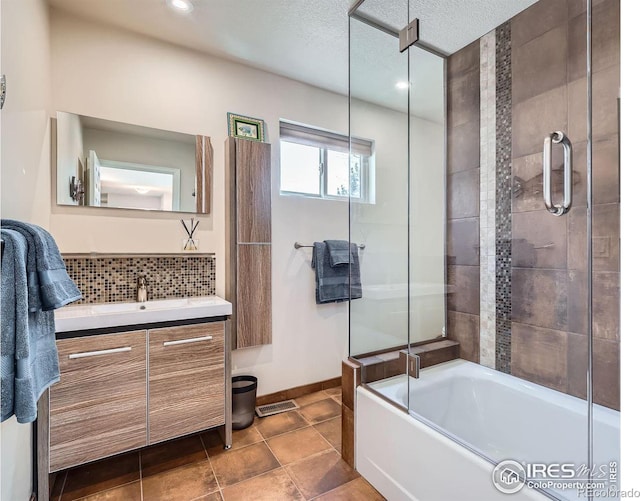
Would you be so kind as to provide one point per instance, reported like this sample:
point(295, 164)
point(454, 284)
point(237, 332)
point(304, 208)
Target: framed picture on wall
point(245, 127)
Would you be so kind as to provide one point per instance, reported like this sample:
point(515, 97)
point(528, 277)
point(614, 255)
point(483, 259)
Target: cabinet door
point(253, 303)
point(99, 407)
point(253, 191)
point(186, 379)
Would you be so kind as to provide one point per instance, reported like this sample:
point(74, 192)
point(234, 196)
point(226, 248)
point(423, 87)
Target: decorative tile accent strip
point(488, 200)
point(503, 197)
point(109, 278)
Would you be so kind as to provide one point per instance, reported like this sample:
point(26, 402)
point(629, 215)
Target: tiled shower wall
point(463, 200)
point(541, 269)
point(107, 279)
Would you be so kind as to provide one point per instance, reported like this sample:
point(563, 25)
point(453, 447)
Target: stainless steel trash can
point(243, 401)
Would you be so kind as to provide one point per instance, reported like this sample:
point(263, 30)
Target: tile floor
point(289, 456)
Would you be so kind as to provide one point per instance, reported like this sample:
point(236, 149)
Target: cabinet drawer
point(186, 380)
point(99, 407)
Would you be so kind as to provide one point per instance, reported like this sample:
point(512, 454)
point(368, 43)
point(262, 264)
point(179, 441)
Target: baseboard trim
point(298, 391)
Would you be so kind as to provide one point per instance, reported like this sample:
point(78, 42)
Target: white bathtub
point(499, 415)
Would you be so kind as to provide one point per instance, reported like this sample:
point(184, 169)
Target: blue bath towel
point(339, 252)
point(45, 268)
point(29, 362)
point(33, 285)
point(336, 283)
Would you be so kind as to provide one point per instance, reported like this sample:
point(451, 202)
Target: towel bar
point(297, 245)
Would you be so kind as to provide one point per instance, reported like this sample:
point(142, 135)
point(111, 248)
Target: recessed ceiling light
point(141, 189)
point(182, 6)
point(402, 85)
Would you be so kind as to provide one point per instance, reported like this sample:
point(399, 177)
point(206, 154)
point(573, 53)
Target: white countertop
point(96, 316)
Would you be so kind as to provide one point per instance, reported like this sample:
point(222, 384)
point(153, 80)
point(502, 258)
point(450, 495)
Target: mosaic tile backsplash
point(110, 279)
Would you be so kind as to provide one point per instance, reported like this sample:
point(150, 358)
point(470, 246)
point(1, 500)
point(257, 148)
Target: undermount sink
point(95, 316)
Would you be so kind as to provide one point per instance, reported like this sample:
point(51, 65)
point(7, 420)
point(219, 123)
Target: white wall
point(25, 186)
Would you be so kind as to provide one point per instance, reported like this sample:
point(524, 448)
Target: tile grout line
point(273, 453)
point(64, 484)
point(205, 495)
point(331, 446)
point(259, 434)
point(104, 490)
point(338, 487)
point(285, 432)
point(210, 465)
point(278, 461)
point(281, 467)
point(321, 435)
point(315, 454)
point(140, 476)
point(293, 481)
point(285, 467)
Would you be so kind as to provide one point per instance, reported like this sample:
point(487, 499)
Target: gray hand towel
point(56, 289)
point(339, 252)
point(335, 283)
point(29, 355)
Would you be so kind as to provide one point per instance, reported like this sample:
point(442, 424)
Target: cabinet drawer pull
point(100, 352)
point(190, 340)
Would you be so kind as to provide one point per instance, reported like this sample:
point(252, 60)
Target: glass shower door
point(522, 232)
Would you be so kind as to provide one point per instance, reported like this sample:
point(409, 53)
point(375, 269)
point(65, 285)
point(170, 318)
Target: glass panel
point(378, 112)
point(427, 198)
point(299, 168)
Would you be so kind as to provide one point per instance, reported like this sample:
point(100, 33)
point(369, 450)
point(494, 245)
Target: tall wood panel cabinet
point(248, 223)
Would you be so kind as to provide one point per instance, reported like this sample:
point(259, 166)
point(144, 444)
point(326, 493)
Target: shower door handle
point(557, 137)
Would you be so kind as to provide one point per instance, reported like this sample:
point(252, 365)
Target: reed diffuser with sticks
point(190, 243)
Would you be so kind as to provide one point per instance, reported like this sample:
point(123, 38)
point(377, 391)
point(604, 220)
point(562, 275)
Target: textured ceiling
point(307, 40)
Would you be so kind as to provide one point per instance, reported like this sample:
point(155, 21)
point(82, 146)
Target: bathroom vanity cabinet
point(124, 389)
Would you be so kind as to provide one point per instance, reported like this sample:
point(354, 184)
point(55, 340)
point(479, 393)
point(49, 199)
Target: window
point(317, 163)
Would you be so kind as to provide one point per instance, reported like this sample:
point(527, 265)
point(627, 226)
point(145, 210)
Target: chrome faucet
point(142, 289)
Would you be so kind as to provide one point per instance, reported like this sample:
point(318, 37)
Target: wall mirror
point(107, 164)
